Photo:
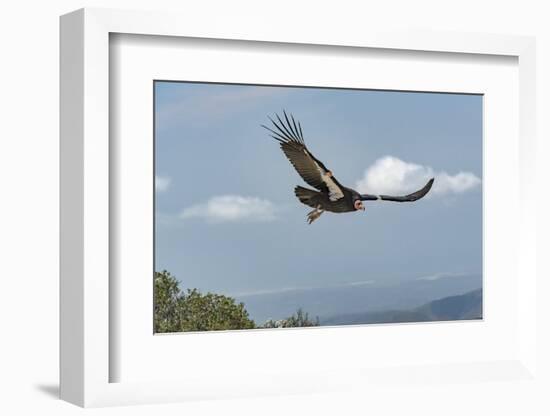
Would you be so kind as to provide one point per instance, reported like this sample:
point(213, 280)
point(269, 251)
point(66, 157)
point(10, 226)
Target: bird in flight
point(330, 195)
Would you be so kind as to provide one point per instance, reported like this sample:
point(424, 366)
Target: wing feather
point(415, 196)
point(290, 136)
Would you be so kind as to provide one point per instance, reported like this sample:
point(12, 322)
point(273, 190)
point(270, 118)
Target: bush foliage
point(179, 311)
point(299, 319)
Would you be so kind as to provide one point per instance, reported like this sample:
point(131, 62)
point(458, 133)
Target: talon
point(313, 215)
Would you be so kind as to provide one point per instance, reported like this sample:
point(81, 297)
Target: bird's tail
point(307, 196)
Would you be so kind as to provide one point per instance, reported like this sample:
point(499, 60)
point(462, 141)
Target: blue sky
point(227, 220)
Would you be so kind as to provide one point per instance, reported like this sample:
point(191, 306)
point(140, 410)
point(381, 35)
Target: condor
point(330, 195)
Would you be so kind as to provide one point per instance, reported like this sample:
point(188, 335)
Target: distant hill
point(465, 306)
point(357, 298)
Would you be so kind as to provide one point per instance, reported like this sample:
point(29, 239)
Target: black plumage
point(330, 195)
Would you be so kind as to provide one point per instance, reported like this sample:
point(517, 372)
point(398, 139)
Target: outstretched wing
point(406, 198)
point(289, 134)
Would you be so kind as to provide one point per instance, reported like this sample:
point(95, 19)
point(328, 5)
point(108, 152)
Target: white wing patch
point(334, 191)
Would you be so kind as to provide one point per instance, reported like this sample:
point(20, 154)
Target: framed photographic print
point(268, 214)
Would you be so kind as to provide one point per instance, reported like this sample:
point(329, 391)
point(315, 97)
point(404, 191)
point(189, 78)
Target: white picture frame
point(86, 306)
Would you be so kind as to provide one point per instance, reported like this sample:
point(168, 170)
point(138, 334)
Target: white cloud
point(390, 175)
point(361, 283)
point(299, 289)
point(162, 183)
point(438, 276)
point(232, 208)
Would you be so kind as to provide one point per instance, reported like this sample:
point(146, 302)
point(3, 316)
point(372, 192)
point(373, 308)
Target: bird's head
point(358, 205)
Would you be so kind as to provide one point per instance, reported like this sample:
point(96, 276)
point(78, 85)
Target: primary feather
point(312, 170)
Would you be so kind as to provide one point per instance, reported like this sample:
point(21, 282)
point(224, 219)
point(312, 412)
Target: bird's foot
point(313, 215)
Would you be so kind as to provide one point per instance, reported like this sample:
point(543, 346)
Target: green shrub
point(176, 311)
point(297, 320)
